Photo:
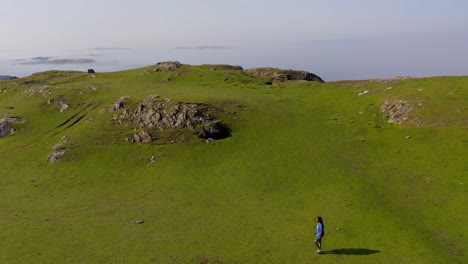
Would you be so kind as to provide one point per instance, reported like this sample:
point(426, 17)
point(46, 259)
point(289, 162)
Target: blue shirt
point(318, 234)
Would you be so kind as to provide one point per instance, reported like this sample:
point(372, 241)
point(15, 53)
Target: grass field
point(388, 193)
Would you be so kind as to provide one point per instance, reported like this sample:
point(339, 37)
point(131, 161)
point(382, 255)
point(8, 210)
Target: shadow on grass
point(352, 251)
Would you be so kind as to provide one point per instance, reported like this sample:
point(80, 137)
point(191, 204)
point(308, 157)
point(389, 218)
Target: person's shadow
point(352, 251)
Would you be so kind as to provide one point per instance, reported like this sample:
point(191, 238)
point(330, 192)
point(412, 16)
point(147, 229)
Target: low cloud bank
point(202, 48)
point(45, 60)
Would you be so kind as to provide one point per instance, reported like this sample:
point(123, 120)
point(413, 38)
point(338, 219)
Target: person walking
point(319, 234)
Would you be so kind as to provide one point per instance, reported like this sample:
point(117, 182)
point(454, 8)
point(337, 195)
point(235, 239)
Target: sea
point(333, 60)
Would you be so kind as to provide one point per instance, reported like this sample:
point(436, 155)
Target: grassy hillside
point(388, 192)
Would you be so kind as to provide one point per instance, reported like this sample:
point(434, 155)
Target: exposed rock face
point(58, 151)
point(154, 114)
point(282, 75)
point(223, 67)
point(396, 111)
point(142, 137)
point(164, 67)
point(5, 126)
point(165, 114)
point(119, 105)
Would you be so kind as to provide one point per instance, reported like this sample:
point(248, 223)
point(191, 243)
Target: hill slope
point(388, 192)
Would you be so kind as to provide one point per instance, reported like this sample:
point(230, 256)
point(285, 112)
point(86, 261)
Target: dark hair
point(319, 219)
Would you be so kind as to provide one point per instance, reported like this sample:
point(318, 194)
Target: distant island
point(7, 77)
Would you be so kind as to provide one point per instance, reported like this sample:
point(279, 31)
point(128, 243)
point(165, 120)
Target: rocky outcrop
point(163, 67)
point(6, 128)
point(282, 75)
point(213, 67)
point(155, 114)
point(165, 114)
point(396, 111)
point(119, 105)
point(58, 151)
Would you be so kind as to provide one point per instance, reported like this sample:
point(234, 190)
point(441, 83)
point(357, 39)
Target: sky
point(340, 39)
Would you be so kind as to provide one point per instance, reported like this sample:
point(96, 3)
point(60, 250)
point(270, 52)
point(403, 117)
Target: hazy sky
point(50, 25)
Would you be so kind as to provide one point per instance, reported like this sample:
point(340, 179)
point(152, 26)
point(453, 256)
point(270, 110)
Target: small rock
point(153, 160)
point(139, 222)
point(166, 80)
point(408, 137)
point(210, 141)
point(363, 93)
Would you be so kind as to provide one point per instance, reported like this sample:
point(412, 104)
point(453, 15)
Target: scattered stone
point(139, 222)
point(63, 106)
point(166, 80)
point(153, 160)
point(210, 141)
point(91, 120)
point(396, 111)
point(363, 93)
point(408, 137)
point(420, 89)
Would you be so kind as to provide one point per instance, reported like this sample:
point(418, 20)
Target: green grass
point(298, 150)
